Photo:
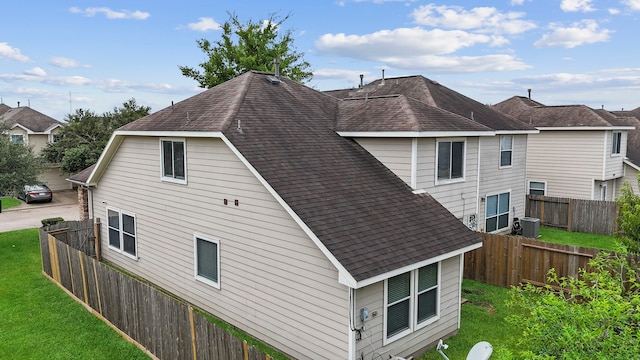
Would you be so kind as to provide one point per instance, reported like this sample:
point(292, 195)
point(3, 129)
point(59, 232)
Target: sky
point(60, 56)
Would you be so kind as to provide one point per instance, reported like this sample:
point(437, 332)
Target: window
point(537, 187)
point(207, 260)
point(55, 138)
point(18, 139)
point(506, 150)
point(122, 232)
point(450, 160)
point(497, 217)
point(615, 142)
point(173, 160)
point(411, 301)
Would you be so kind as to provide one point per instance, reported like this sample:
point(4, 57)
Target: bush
point(52, 221)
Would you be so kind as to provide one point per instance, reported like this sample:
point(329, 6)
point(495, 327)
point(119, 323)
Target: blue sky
point(58, 56)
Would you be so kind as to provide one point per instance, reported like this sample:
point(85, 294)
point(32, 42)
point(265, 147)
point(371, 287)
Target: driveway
point(26, 216)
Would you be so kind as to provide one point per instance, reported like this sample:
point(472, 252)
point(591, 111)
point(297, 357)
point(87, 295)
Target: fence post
point(96, 234)
point(570, 215)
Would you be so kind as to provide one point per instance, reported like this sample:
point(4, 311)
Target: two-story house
point(468, 156)
point(632, 160)
point(246, 201)
point(579, 152)
point(35, 129)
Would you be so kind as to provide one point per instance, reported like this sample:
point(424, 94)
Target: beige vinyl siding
point(567, 160)
point(613, 167)
point(458, 197)
point(55, 179)
point(372, 297)
point(275, 284)
point(37, 142)
point(631, 177)
point(394, 153)
point(496, 180)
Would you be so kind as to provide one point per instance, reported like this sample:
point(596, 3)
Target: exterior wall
point(275, 284)
point(630, 176)
point(568, 161)
point(496, 180)
point(37, 142)
point(54, 178)
point(394, 153)
point(613, 163)
point(372, 297)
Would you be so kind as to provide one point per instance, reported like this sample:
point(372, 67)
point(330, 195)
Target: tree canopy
point(18, 164)
point(86, 134)
point(249, 46)
point(629, 217)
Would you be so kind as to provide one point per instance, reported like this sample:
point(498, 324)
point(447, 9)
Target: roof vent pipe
point(361, 81)
point(276, 61)
point(382, 83)
point(18, 103)
point(529, 90)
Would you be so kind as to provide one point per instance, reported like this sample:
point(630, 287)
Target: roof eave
point(413, 134)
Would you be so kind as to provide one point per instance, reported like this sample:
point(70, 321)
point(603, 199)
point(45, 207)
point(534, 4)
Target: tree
point(593, 316)
point(249, 46)
point(629, 217)
point(18, 165)
point(87, 133)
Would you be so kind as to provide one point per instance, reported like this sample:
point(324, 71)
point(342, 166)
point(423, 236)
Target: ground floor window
point(497, 215)
point(411, 301)
point(122, 232)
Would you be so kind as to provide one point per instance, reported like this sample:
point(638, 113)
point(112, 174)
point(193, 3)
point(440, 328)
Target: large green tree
point(86, 134)
point(629, 217)
point(249, 46)
point(18, 164)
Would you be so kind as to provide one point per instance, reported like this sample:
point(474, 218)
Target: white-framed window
point(537, 187)
point(412, 301)
point(603, 191)
point(55, 138)
point(450, 159)
point(122, 232)
point(207, 260)
point(497, 215)
point(506, 150)
point(616, 141)
point(17, 138)
point(174, 162)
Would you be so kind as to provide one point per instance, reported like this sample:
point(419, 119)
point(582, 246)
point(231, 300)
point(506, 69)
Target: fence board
point(578, 215)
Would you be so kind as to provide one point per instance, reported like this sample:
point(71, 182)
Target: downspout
point(414, 163)
point(478, 189)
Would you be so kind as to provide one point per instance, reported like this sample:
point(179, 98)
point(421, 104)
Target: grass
point(558, 236)
point(39, 320)
point(483, 319)
point(9, 202)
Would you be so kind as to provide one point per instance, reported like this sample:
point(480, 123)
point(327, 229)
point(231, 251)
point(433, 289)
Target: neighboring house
point(36, 130)
point(468, 156)
point(632, 160)
point(246, 202)
point(578, 153)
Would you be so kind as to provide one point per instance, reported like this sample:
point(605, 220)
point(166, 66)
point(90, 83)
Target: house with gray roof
point(35, 129)
point(579, 152)
point(632, 160)
point(468, 156)
point(248, 201)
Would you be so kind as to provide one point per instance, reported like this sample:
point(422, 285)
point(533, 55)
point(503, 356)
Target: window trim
point(536, 181)
point(121, 232)
point(22, 142)
point(413, 305)
point(497, 216)
point(173, 179)
point(439, 181)
point(198, 277)
point(510, 150)
point(616, 143)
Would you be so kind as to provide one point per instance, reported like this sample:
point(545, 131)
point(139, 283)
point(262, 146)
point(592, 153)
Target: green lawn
point(40, 321)
point(9, 202)
point(558, 236)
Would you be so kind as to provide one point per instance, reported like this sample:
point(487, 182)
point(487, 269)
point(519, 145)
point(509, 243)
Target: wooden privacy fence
point(577, 215)
point(163, 326)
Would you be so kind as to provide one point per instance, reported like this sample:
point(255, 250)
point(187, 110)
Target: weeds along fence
point(507, 261)
point(577, 215)
point(163, 326)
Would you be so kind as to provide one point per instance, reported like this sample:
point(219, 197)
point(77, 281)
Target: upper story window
point(207, 260)
point(411, 301)
point(616, 142)
point(173, 160)
point(122, 232)
point(450, 158)
point(506, 150)
point(18, 139)
point(537, 188)
point(55, 138)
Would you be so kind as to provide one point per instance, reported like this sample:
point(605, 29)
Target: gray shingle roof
point(29, 118)
point(365, 215)
point(438, 96)
point(632, 118)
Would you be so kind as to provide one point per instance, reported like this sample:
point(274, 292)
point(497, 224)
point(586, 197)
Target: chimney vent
point(361, 81)
point(276, 61)
point(382, 82)
point(529, 90)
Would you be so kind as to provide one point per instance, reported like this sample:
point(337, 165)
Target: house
point(36, 130)
point(579, 152)
point(245, 201)
point(468, 156)
point(632, 160)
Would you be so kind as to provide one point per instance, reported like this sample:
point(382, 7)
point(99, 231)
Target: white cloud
point(483, 19)
point(36, 71)
point(459, 64)
point(204, 24)
point(338, 74)
point(63, 62)
point(517, 2)
point(613, 11)
point(632, 4)
point(11, 53)
point(576, 5)
point(583, 32)
point(111, 14)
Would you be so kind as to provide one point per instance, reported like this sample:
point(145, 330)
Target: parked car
point(33, 193)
